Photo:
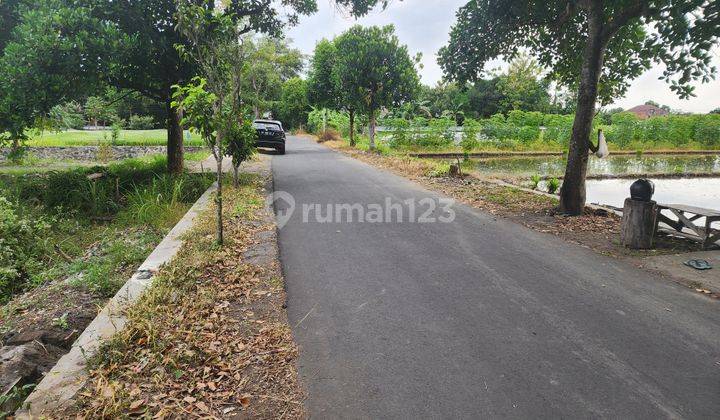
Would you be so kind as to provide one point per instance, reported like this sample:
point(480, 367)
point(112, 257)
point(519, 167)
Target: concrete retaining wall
point(69, 375)
point(89, 153)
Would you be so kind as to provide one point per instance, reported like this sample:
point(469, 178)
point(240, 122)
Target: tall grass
point(41, 213)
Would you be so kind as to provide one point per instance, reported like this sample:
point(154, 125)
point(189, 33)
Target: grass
point(90, 228)
point(93, 138)
point(197, 156)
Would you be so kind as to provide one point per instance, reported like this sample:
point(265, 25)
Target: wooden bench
point(687, 217)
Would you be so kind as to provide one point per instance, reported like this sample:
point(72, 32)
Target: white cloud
point(424, 26)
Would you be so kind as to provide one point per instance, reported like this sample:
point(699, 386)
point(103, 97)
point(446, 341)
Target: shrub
point(438, 134)
point(338, 121)
point(21, 247)
point(67, 115)
point(141, 122)
point(400, 136)
point(471, 129)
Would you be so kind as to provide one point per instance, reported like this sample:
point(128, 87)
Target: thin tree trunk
point(352, 127)
point(572, 194)
point(218, 197)
point(371, 131)
point(236, 175)
point(175, 141)
point(324, 120)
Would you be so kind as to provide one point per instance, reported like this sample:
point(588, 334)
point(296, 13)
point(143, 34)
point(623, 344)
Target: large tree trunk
point(572, 194)
point(175, 141)
point(352, 127)
point(371, 130)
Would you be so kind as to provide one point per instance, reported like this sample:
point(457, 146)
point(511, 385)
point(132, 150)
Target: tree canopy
point(135, 40)
point(636, 33)
point(374, 70)
point(41, 64)
point(619, 39)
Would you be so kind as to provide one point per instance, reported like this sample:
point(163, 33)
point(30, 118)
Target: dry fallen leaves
point(210, 339)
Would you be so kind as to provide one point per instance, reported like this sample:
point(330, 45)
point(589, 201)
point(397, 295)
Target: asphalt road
point(478, 318)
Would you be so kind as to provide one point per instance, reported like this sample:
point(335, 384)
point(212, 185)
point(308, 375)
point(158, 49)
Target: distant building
point(647, 111)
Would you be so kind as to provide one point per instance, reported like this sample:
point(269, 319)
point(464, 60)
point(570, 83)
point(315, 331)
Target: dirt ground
point(598, 230)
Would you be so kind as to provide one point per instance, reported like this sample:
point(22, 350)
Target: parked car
point(270, 135)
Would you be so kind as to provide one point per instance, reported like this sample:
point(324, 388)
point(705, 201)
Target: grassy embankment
point(69, 229)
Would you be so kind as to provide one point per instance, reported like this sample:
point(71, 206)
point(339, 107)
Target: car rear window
point(266, 126)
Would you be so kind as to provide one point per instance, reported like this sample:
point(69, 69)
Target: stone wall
point(89, 153)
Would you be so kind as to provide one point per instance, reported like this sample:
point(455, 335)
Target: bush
point(522, 130)
point(400, 136)
point(141, 122)
point(338, 121)
point(67, 115)
point(21, 247)
point(471, 129)
point(437, 135)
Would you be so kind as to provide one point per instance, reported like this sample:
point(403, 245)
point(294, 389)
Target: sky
point(424, 26)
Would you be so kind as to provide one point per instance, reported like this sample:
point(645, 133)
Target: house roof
point(647, 111)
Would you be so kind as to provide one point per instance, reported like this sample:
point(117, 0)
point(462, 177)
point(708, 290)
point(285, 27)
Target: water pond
point(617, 165)
point(699, 192)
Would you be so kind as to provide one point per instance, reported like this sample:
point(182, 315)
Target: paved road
point(479, 318)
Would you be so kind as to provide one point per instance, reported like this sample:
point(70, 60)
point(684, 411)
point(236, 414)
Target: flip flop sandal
point(698, 264)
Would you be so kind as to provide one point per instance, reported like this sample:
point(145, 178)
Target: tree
point(212, 104)
point(522, 88)
point(485, 98)
point(41, 65)
point(241, 145)
point(322, 82)
point(293, 107)
point(97, 109)
point(149, 62)
point(618, 41)
point(138, 52)
point(271, 62)
point(374, 71)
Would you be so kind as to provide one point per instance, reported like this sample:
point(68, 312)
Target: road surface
point(478, 318)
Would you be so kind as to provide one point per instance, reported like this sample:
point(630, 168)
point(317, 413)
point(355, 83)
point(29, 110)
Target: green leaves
point(373, 70)
point(197, 106)
point(635, 34)
point(52, 56)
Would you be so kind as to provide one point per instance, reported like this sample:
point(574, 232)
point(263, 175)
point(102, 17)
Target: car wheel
point(280, 150)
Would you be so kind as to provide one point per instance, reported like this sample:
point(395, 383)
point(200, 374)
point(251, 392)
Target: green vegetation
point(618, 40)
point(534, 131)
point(90, 228)
point(210, 105)
point(364, 69)
point(93, 138)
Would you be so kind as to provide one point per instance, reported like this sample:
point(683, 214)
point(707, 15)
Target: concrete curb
point(68, 376)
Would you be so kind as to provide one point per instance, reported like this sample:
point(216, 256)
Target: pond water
point(700, 192)
point(613, 165)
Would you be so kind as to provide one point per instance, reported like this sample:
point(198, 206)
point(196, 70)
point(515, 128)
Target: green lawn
point(92, 138)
